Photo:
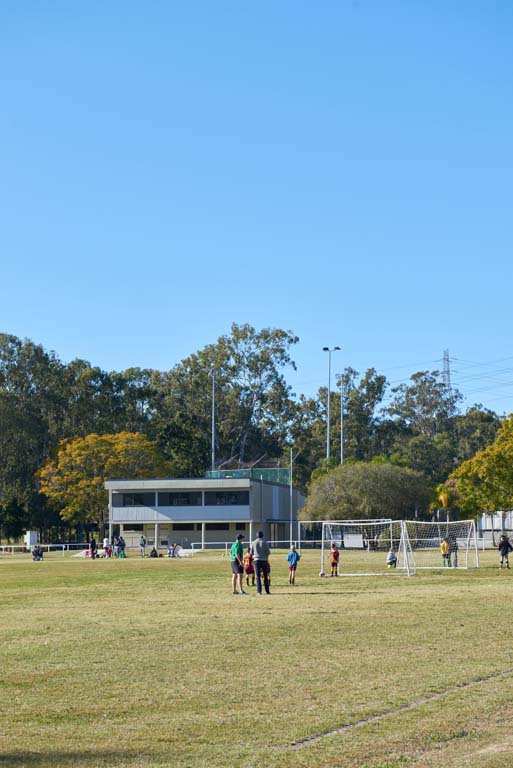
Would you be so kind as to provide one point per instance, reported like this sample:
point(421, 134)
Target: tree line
point(417, 426)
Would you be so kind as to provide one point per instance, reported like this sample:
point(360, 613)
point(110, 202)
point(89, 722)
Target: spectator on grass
point(122, 545)
point(334, 558)
point(154, 552)
point(171, 550)
point(237, 566)
point(115, 546)
point(293, 558)
point(260, 550)
point(142, 545)
point(92, 548)
point(504, 550)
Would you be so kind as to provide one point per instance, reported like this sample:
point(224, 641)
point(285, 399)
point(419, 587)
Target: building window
point(129, 527)
point(217, 526)
point(240, 526)
point(180, 499)
point(133, 499)
point(226, 498)
point(183, 526)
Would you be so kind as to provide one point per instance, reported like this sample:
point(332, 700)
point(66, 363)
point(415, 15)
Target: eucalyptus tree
point(253, 402)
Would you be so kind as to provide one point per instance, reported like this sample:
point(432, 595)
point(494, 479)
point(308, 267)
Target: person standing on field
point(445, 552)
point(334, 558)
point(260, 550)
point(142, 545)
point(293, 558)
point(236, 553)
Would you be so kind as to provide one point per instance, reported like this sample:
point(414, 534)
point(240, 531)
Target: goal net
point(443, 545)
point(365, 548)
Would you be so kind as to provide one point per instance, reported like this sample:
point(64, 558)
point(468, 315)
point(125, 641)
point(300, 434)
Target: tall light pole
point(341, 418)
point(329, 350)
point(212, 373)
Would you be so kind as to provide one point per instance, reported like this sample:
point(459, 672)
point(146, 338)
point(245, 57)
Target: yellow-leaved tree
point(485, 482)
point(74, 480)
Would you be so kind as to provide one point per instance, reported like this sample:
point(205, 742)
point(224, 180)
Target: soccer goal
point(366, 548)
point(443, 544)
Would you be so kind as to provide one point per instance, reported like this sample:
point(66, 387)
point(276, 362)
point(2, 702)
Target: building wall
point(268, 509)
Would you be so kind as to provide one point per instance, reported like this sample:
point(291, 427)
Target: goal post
point(367, 548)
point(450, 544)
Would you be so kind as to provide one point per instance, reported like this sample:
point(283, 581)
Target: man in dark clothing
point(92, 548)
point(260, 550)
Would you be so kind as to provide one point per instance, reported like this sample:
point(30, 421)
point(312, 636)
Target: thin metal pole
point(341, 421)
point(329, 404)
point(290, 485)
point(213, 374)
point(329, 350)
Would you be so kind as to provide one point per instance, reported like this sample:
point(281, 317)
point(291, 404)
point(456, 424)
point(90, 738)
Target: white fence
point(21, 549)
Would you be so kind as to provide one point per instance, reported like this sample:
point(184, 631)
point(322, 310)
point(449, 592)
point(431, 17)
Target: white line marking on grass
point(404, 708)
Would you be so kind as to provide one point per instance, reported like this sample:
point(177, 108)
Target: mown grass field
point(155, 663)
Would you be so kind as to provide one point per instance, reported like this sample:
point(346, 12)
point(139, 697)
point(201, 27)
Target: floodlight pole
point(290, 493)
point(329, 350)
point(212, 373)
point(341, 419)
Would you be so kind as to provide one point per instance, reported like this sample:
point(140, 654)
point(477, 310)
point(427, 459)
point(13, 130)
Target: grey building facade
point(201, 511)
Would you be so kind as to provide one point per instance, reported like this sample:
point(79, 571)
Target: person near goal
point(391, 559)
point(293, 558)
point(334, 558)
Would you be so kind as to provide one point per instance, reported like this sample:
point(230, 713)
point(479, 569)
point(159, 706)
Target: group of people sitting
point(37, 553)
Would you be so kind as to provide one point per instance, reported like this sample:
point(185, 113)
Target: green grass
point(155, 663)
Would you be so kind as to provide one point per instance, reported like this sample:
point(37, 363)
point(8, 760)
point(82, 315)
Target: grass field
point(155, 663)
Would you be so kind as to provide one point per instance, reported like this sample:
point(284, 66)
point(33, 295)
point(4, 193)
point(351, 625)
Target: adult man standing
point(142, 545)
point(237, 567)
point(261, 551)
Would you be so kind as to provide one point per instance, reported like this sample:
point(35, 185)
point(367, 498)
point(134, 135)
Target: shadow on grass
point(319, 593)
point(96, 758)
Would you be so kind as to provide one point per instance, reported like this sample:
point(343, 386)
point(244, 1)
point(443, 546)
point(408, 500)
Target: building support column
point(202, 536)
point(250, 531)
point(156, 545)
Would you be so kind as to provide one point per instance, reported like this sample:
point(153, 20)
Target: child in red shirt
point(249, 568)
point(334, 557)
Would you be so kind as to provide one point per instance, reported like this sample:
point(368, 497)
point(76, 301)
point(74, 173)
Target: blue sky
point(340, 169)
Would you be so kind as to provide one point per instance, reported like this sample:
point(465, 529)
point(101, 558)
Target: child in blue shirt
point(293, 558)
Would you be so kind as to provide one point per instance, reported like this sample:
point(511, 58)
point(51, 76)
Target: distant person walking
point(92, 548)
point(504, 550)
point(142, 545)
point(236, 553)
point(260, 550)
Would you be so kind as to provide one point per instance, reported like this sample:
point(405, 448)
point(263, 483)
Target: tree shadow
point(98, 758)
